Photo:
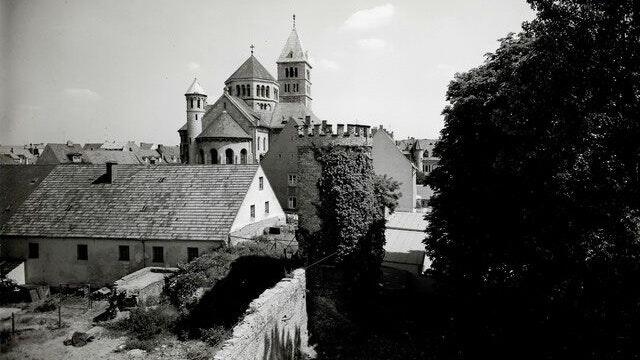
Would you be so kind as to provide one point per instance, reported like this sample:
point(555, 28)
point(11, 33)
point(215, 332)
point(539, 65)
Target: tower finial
point(252, 47)
point(294, 21)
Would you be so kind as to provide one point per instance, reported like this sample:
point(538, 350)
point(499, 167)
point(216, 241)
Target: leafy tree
point(534, 228)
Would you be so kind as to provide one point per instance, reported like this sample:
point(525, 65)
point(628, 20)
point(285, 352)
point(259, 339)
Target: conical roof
point(292, 50)
point(195, 88)
point(251, 69)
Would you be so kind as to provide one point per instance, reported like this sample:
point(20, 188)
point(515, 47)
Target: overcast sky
point(95, 70)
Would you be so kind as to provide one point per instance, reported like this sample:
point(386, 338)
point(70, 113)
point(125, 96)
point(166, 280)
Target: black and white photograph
point(328, 180)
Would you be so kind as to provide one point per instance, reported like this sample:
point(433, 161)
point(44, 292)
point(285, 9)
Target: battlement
point(341, 130)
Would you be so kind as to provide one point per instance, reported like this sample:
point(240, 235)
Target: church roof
point(284, 111)
point(292, 50)
point(224, 127)
point(251, 69)
point(195, 88)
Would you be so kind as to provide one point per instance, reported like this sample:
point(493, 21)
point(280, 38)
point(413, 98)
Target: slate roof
point(189, 202)
point(292, 50)
point(408, 145)
point(251, 69)
point(195, 88)
point(224, 127)
point(16, 183)
point(104, 156)
point(92, 146)
point(284, 111)
point(61, 152)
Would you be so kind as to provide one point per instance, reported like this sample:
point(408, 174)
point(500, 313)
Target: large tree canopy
point(534, 227)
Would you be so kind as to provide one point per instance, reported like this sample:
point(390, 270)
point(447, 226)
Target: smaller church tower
point(196, 103)
point(294, 71)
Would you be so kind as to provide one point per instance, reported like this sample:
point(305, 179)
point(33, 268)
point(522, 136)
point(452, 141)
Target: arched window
point(228, 154)
point(201, 160)
point(243, 156)
point(257, 90)
point(286, 72)
point(291, 71)
point(258, 144)
point(198, 103)
point(262, 90)
point(214, 156)
point(192, 103)
point(308, 74)
point(244, 91)
point(248, 90)
point(267, 91)
point(296, 70)
point(264, 144)
point(237, 90)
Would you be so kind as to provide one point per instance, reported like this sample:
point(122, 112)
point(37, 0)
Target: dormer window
point(290, 54)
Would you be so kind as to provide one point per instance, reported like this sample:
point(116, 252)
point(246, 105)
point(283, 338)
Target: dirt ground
point(39, 338)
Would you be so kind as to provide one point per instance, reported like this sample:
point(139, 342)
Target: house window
point(123, 253)
point(83, 252)
point(266, 207)
point(293, 180)
point(192, 253)
point(34, 250)
point(158, 254)
point(261, 182)
point(292, 202)
point(252, 209)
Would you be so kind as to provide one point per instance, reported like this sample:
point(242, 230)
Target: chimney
point(365, 131)
point(307, 120)
point(339, 129)
point(69, 143)
point(316, 129)
point(350, 129)
point(111, 172)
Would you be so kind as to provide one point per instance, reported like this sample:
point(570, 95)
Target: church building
point(237, 128)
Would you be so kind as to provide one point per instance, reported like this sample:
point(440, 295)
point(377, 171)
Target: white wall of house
point(258, 197)
point(58, 258)
point(389, 160)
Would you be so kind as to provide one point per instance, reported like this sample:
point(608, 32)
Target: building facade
point(237, 127)
point(96, 223)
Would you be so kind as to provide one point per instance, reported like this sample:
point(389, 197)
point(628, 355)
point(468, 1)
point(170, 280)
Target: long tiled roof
point(189, 202)
point(16, 183)
point(61, 152)
point(251, 69)
point(104, 156)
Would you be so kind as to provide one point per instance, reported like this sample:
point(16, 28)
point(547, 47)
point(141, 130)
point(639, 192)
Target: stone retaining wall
point(274, 326)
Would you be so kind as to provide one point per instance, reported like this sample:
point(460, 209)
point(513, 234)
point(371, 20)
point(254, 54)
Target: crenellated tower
point(294, 71)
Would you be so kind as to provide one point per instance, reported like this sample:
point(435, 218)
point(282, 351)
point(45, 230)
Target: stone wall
point(274, 326)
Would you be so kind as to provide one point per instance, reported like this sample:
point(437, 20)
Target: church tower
point(294, 71)
point(196, 103)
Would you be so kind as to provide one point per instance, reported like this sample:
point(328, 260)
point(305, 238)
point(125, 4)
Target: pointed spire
point(292, 50)
point(195, 88)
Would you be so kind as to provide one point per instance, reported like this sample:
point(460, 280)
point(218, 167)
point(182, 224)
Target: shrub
point(147, 323)
point(213, 336)
point(146, 345)
point(46, 306)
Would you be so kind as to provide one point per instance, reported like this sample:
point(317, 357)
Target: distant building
point(170, 154)
point(238, 126)
point(390, 161)
point(17, 155)
point(420, 153)
point(54, 154)
point(97, 223)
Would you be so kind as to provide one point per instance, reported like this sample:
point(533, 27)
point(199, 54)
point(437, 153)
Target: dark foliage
point(534, 228)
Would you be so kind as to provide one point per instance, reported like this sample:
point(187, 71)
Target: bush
point(147, 323)
point(213, 336)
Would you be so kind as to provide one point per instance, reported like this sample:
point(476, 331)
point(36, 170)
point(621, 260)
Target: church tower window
point(198, 103)
point(214, 156)
point(286, 72)
point(257, 90)
point(237, 90)
point(229, 156)
point(243, 156)
point(192, 103)
point(267, 91)
point(296, 71)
